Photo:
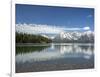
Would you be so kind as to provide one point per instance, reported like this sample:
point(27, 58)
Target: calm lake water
point(54, 56)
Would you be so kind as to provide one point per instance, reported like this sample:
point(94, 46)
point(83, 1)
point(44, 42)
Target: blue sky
point(67, 17)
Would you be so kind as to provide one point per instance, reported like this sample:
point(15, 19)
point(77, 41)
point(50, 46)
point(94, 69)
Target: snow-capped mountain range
point(87, 36)
point(74, 36)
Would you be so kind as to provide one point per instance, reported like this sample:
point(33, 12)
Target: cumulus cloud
point(38, 28)
point(34, 28)
point(86, 28)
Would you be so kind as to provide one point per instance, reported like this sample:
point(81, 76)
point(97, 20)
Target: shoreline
point(47, 44)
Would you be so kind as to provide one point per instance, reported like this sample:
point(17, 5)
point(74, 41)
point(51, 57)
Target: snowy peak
point(75, 36)
point(70, 35)
point(45, 36)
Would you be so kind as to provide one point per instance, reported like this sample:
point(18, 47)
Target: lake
point(54, 56)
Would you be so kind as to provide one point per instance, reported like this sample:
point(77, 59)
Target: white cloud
point(86, 28)
point(72, 29)
point(38, 28)
point(34, 28)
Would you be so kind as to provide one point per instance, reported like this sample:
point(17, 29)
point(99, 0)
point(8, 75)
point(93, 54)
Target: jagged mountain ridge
point(75, 36)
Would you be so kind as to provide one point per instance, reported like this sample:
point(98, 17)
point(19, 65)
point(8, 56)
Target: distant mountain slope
point(87, 36)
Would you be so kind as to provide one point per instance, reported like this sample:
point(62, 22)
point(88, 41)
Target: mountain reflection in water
point(36, 53)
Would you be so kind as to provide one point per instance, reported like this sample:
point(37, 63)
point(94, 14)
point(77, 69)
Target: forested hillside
point(30, 38)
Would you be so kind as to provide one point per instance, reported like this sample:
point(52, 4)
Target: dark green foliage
point(30, 38)
point(26, 49)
